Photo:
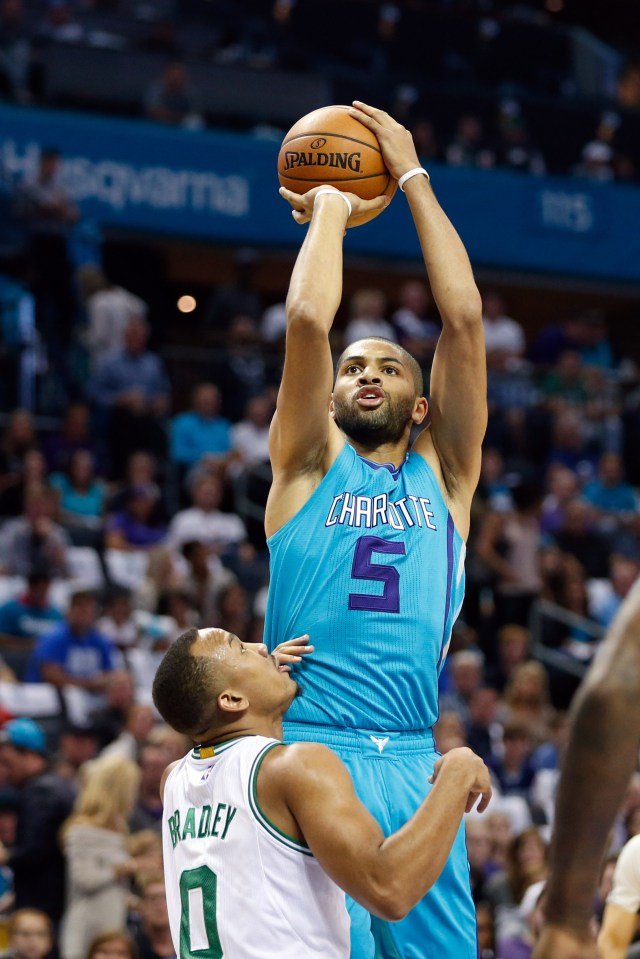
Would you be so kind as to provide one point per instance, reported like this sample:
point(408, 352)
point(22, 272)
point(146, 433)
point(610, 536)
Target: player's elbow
point(304, 316)
point(390, 912)
point(615, 687)
point(606, 708)
point(388, 907)
point(392, 900)
point(466, 312)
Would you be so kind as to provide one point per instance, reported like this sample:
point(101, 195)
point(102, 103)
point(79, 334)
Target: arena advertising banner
point(146, 177)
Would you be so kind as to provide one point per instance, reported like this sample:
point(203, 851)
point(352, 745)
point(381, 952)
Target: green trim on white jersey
point(261, 817)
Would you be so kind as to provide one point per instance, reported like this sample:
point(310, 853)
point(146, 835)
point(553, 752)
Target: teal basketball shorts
point(391, 773)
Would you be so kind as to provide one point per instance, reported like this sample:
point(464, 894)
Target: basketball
point(328, 146)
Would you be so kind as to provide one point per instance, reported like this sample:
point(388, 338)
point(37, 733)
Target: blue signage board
point(223, 187)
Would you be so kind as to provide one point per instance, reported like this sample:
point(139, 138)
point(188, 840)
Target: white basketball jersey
point(237, 887)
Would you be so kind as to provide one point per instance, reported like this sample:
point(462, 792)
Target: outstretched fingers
point(396, 142)
point(370, 116)
point(293, 650)
point(373, 113)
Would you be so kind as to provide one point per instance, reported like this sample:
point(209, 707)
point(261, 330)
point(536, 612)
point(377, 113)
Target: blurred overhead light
point(186, 303)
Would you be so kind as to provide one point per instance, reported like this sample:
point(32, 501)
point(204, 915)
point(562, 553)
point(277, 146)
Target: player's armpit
point(302, 406)
point(386, 875)
point(345, 838)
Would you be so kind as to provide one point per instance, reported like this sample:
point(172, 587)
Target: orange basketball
point(330, 146)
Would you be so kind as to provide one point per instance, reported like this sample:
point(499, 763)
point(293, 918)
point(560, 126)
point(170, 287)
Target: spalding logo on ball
point(329, 146)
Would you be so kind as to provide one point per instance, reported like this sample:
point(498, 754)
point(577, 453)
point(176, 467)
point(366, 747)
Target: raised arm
point(303, 439)
point(601, 756)
point(300, 427)
point(458, 389)
point(387, 875)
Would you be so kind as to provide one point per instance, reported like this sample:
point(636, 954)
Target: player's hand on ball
point(396, 142)
point(292, 651)
point(303, 203)
point(479, 778)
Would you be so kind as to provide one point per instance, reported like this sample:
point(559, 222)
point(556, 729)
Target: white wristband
point(335, 193)
point(407, 176)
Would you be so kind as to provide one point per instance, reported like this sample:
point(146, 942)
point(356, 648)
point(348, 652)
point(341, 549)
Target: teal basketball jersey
point(372, 568)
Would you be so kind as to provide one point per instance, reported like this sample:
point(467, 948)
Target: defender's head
point(377, 395)
point(209, 681)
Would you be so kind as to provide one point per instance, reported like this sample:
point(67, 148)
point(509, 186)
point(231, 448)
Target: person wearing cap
point(44, 802)
point(74, 652)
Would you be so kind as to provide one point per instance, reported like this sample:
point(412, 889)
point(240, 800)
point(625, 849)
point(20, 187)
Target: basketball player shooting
point(258, 838)
point(367, 534)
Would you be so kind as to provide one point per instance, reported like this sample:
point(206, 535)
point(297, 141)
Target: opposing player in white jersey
point(262, 840)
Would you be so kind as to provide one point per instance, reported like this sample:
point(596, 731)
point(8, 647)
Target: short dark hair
point(412, 363)
point(81, 594)
point(184, 688)
point(39, 574)
point(190, 547)
point(116, 592)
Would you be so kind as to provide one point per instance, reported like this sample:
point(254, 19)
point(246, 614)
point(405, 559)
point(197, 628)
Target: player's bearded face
point(385, 424)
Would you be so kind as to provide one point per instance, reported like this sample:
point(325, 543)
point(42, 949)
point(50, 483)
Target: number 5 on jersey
point(364, 568)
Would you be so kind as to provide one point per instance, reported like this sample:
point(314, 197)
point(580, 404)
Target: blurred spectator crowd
point(133, 516)
point(459, 74)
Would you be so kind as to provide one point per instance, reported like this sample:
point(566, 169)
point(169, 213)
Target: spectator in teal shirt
point(609, 493)
point(201, 431)
point(81, 492)
point(24, 619)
